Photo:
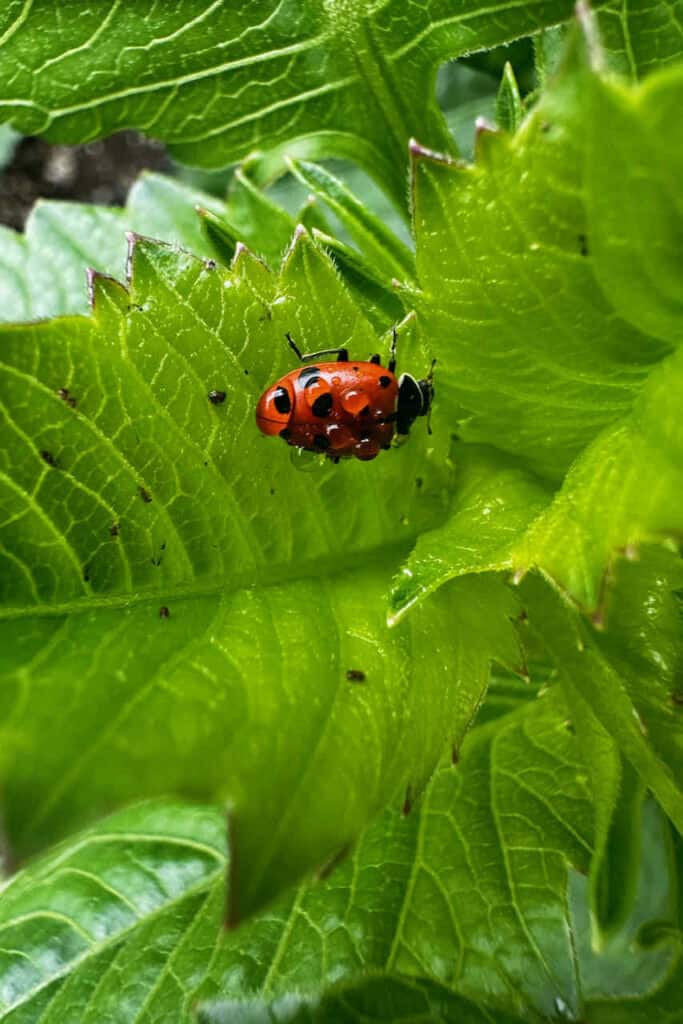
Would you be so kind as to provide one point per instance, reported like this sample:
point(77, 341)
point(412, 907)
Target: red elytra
point(345, 408)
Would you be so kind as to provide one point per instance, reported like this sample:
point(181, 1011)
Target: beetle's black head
point(414, 399)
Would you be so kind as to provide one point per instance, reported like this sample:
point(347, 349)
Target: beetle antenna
point(293, 346)
point(392, 350)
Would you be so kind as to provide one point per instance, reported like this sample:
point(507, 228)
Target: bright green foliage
point(188, 607)
point(642, 35)
point(450, 891)
point(529, 348)
point(43, 272)
point(111, 518)
point(217, 81)
point(493, 502)
point(634, 165)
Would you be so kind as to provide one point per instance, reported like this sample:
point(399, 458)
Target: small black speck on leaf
point(455, 755)
point(210, 264)
point(66, 397)
point(418, 482)
point(246, 373)
point(145, 495)
point(676, 698)
point(355, 675)
point(86, 574)
point(407, 803)
point(545, 127)
point(49, 458)
point(583, 244)
point(216, 397)
point(272, 490)
point(164, 612)
point(114, 529)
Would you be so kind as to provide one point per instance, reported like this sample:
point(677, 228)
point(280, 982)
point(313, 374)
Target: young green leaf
point(509, 109)
point(378, 244)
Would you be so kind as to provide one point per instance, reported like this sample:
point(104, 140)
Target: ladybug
point(343, 408)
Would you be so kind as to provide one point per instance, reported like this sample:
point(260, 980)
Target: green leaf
point(492, 503)
point(634, 161)
point(376, 999)
point(509, 109)
point(625, 489)
point(385, 252)
point(43, 272)
point(380, 303)
point(450, 892)
point(626, 680)
point(529, 348)
point(216, 82)
point(642, 35)
point(618, 794)
point(129, 514)
point(116, 904)
point(637, 37)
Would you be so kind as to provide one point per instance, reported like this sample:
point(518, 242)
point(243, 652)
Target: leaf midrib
point(265, 577)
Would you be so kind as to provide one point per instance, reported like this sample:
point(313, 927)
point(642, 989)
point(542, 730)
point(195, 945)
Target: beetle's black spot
point(355, 369)
point(308, 371)
point(355, 675)
point(49, 458)
point(285, 434)
point(322, 406)
point(311, 380)
point(216, 397)
point(114, 529)
point(321, 442)
point(583, 244)
point(145, 495)
point(281, 400)
point(164, 612)
point(384, 381)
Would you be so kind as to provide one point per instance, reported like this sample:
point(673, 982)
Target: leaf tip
point(419, 152)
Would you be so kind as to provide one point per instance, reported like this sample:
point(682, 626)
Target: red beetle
point(344, 408)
